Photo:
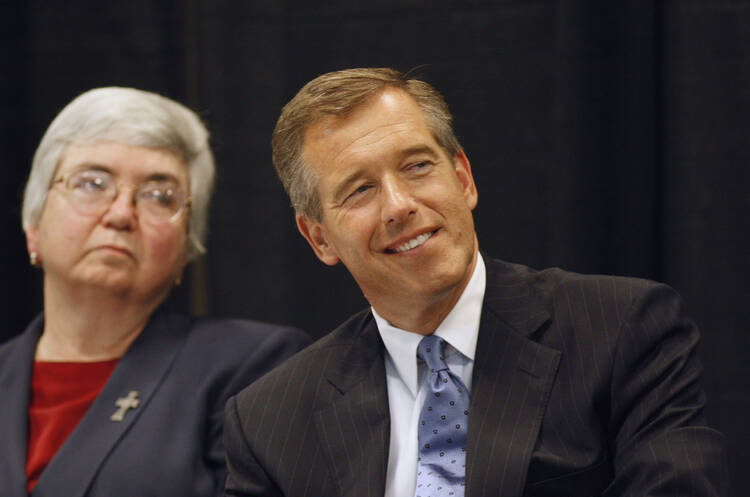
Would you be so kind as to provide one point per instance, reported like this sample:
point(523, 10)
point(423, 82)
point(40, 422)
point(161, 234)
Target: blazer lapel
point(512, 380)
point(354, 430)
point(141, 369)
point(16, 366)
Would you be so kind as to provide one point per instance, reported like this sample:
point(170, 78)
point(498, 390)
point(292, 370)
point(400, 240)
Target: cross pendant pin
point(125, 403)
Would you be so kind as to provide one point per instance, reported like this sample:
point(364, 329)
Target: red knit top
point(61, 393)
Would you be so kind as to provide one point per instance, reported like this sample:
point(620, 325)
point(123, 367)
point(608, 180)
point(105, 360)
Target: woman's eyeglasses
point(93, 191)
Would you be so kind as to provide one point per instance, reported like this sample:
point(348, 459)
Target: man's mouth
point(413, 243)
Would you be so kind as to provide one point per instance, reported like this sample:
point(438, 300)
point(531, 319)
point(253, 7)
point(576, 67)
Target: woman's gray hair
point(129, 117)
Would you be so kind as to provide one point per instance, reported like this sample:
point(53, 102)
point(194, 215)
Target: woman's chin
point(113, 280)
point(107, 279)
point(112, 284)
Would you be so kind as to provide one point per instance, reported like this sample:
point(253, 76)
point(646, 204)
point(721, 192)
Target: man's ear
point(463, 171)
point(316, 236)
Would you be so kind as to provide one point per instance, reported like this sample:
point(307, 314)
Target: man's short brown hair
point(339, 93)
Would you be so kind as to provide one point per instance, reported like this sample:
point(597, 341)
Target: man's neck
point(423, 316)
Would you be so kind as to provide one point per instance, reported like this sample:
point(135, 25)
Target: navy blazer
point(183, 369)
point(582, 386)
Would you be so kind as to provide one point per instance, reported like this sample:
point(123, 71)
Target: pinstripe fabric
point(317, 426)
point(582, 386)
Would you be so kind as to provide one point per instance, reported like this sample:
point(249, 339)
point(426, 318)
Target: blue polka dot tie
point(443, 424)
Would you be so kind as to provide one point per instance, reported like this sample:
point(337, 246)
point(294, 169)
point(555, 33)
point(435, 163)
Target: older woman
point(106, 393)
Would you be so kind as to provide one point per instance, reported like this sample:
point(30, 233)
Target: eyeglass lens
point(157, 200)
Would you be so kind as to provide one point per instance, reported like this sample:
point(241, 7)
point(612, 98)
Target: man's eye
point(358, 192)
point(418, 166)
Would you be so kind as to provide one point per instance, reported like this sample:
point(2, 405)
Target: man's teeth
point(415, 242)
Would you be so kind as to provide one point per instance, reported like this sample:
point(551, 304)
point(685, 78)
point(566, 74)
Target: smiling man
point(467, 375)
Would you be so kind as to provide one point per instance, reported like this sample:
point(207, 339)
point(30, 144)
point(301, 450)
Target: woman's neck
point(85, 324)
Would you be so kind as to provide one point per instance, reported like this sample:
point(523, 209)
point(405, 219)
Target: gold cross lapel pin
point(125, 403)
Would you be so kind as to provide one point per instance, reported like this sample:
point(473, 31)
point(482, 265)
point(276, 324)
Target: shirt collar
point(460, 329)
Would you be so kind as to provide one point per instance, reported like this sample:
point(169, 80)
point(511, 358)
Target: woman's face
point(116, 245)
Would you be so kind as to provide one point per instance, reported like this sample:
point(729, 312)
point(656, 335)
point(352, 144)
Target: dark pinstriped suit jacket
point(583, 385)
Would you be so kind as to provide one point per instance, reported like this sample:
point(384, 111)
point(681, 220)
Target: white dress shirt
point(407, 381)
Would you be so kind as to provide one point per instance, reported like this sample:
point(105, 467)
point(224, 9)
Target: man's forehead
point(387, 111)
point(393, 99)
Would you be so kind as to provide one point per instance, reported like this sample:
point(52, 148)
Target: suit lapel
point(511, 383)
point(355, 428)
point(142, 369)
point(16, 366)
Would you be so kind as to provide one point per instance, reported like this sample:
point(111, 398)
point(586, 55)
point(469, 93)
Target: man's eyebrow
point(419, 149)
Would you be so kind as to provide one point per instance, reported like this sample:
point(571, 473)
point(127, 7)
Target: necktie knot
point(432, 351)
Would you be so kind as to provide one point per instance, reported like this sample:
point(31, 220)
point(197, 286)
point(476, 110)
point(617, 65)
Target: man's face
point(396, 210)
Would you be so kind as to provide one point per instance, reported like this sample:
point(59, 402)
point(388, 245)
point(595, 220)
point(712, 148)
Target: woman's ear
point(32, 246)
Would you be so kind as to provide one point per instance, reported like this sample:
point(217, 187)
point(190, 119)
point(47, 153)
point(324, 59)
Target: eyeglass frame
point(65, 177)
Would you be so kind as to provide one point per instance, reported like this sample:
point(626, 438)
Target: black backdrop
point(605, 136)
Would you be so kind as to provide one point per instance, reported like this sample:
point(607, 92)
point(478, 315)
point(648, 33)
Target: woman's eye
point(89, 184)
point(164, 196)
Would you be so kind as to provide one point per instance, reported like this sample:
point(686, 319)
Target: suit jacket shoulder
point(627, 388)
point(348, 342)
point(316, 425)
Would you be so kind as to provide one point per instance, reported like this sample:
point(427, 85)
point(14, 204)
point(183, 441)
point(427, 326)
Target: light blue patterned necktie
point(443, 424)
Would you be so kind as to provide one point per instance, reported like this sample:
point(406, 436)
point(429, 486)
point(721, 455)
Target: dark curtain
point(608, 137)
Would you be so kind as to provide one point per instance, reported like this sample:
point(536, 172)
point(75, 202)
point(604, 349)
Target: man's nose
point(121, 213)
point(397, 202)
